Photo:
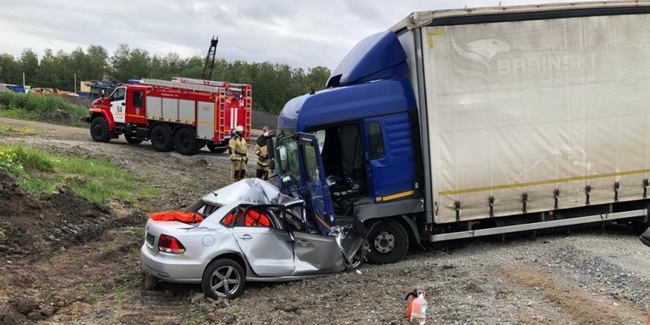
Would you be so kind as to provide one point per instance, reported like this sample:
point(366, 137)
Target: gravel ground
point(93, 276)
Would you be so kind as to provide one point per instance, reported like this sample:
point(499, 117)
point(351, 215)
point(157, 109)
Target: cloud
point(302, 34)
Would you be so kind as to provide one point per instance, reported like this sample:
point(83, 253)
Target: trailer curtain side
point(551, 113)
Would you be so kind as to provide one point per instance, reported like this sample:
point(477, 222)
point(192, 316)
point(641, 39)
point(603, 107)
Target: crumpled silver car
point(249, 232)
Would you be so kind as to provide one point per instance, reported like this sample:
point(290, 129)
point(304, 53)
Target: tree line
point(273, 84)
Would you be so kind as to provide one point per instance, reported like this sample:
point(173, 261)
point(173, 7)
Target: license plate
point(150, 238)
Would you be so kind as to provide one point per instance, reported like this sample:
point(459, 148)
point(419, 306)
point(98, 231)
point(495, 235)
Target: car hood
point(249, 191)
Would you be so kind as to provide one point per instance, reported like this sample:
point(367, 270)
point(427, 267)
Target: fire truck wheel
point(199, 145)
point(185, 141)
point(161, 138)
point(388, 241)
point(99, 129)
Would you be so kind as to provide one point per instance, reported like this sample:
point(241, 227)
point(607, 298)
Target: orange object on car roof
point(182, 216)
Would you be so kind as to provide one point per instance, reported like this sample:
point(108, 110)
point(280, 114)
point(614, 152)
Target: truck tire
point(185, 141)
point(199, 145)
point(213, 148)
point(99, 129)
point(161, 138)
point(388, 242)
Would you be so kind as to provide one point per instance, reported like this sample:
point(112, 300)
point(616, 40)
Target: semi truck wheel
point(185, 141)
point(99, 129)
point(161, 138)
point(388, 242)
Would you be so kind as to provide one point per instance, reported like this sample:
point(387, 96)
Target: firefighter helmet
point(239, 128)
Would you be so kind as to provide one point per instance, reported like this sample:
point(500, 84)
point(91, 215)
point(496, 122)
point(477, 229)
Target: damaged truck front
point(463, 123)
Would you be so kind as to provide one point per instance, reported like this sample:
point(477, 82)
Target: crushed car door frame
point(286, 250)
point(275, 257)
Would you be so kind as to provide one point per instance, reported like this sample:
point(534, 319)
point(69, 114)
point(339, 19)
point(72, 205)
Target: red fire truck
point(185, 114)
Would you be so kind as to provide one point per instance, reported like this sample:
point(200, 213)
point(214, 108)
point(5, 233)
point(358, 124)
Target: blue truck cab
point(352, 149)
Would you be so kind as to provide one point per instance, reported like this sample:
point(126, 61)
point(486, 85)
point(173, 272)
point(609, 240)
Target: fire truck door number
point(117, 108)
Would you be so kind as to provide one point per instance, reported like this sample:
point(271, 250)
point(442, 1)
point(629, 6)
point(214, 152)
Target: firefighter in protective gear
point(238, 148)
point(261, 150)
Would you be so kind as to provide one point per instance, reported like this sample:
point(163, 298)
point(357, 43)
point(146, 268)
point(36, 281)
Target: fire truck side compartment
point(205, 123)
point(186, 111)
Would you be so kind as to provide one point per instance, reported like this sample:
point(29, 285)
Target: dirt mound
point(55, 250)
point(34, 227)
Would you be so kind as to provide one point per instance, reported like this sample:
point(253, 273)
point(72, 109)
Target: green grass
point(14, 130)
point(39, 107)
point(97, 295)
point(96, 179)
point(195, 316)
point(136, 233)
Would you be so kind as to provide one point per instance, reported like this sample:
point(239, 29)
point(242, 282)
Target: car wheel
point(223, 278)
point(185, 141)
point(99, 129)
point(161, 138)
point(150, 282)
point(388, 242)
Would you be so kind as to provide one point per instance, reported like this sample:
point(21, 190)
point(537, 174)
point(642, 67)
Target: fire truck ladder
point(221, 84)
point(208, 65)
point(176, 84)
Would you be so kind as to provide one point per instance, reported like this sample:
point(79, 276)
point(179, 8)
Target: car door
point(317, 254)
point(269, 250)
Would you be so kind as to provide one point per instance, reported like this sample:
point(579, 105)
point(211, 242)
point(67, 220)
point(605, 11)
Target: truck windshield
point(292, 150)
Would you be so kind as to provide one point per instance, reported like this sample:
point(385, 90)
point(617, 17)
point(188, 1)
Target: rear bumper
point(169, 268)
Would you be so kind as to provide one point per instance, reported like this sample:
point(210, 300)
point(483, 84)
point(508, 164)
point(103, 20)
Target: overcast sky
point(302, 34)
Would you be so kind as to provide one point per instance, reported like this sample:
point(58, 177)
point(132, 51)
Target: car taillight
point(169, 244)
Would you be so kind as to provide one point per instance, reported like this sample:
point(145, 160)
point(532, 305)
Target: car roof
point(249, 191)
